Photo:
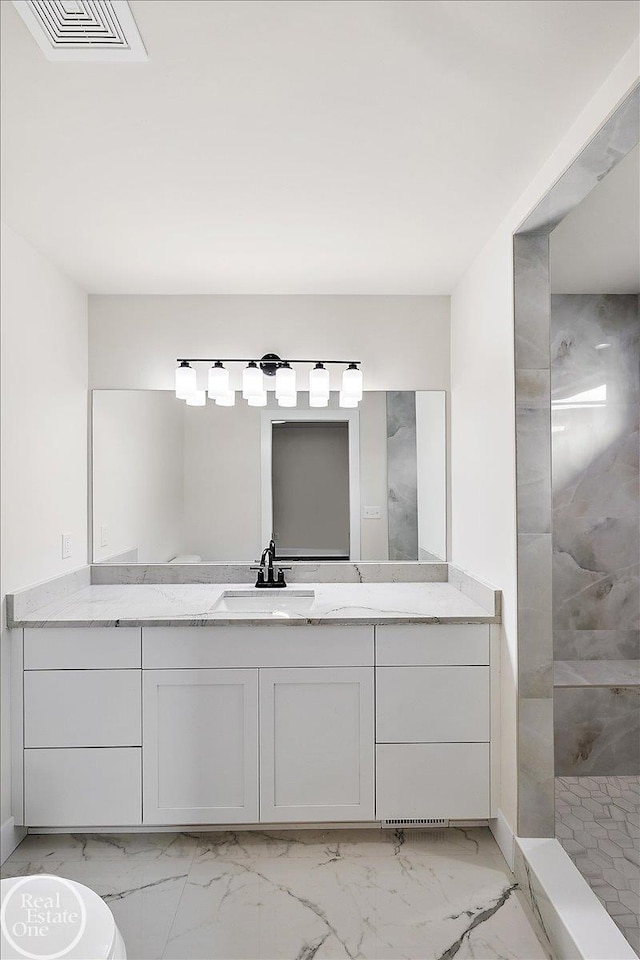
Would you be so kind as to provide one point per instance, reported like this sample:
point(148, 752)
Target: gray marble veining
point(301, 572)
point(194, 605)
point(597, 731)
point(299, 894)
point(402, 489)
point(596, 673)
point(609, 145)
point(592, 597)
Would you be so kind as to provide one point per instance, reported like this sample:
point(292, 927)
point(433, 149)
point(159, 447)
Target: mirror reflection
point(179, 484)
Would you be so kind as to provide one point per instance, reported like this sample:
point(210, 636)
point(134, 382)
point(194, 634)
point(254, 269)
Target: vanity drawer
point(270, 646)
point(432, 704)
point(432, 780)
point(82, 648)
point(82, 708)
point(83, 788)
point(446, 644)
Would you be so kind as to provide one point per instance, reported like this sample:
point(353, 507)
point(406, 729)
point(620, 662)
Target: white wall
point(482, 397)
point(403, 342)
point(44, 433)
point(138, 475)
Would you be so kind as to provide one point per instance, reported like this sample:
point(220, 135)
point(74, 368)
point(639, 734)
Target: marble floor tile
point(300, 894)
point(605, 850)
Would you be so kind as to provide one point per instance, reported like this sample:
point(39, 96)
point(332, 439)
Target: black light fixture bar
point(259, 360)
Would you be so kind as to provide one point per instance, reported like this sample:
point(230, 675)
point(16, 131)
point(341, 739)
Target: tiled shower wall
point(595, 394)
point(402, 484)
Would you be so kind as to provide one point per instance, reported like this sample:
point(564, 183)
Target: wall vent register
point(90, 30)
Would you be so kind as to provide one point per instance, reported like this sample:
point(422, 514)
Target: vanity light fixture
point(252, 381)
point(286, 385)
point(185, 380)
point(218, 383)
point(319, 386)
point(352, 382)
point(269, 372)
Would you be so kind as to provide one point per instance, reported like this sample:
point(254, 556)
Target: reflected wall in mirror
point(181, 484)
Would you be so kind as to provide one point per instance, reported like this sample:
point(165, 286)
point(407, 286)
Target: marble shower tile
point(596, 644)
point(596, 673)
point(597, 731)
point(402, 490)
point(533, 451)
point(588, 600)
point(535, 660)
point(580, 327)
point(614, 874)
point(609, 145)
point(535, 768)
point(532, 299)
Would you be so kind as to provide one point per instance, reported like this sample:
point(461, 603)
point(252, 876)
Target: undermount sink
point(277, 603)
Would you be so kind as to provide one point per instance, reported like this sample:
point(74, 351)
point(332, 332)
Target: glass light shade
point(352, 382)
point(257, 399)
point(288, 401)
point(185, 381)
point(197, 399)
point(319, 385)
point(227, 399)
point(218, 383)
point(285, 382)
point(347, 401)
point(318, 401)
point(252, 382)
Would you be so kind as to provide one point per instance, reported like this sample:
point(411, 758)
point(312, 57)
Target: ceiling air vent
point(90, 30)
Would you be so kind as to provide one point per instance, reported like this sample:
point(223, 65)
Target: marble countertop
point(596, 673)
point(179, 604)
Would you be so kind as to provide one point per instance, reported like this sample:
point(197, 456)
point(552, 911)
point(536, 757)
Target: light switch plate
point(372, 513)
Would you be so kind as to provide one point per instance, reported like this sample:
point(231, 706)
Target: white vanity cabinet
point(433, 722)
point(202, 729)
point(164, 726)
point(80, 728)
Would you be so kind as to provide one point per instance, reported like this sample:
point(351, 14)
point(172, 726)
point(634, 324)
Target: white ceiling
point(296, 146)
point(596, 248)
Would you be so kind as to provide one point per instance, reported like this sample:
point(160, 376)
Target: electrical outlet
point(66, 546)
point(104, 535)
point(372, 513)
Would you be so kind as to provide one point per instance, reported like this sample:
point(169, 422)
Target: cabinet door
point(432, 704)
point(98, 787)
point(447, 781)
point(316, 744)
point(200, 746)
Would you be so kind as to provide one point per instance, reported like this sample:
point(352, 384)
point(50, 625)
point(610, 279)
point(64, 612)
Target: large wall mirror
point(179, 484)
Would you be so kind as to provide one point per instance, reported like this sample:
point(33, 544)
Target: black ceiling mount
point(270, 363)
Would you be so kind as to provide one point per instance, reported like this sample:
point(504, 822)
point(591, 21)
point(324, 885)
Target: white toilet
point(31, 908)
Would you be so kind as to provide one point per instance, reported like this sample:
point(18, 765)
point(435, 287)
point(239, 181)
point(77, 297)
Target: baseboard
point(10, 837)
point(504, 837)
point(576, 924)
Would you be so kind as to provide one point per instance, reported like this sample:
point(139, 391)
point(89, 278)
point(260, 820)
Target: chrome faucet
point(266, 566)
